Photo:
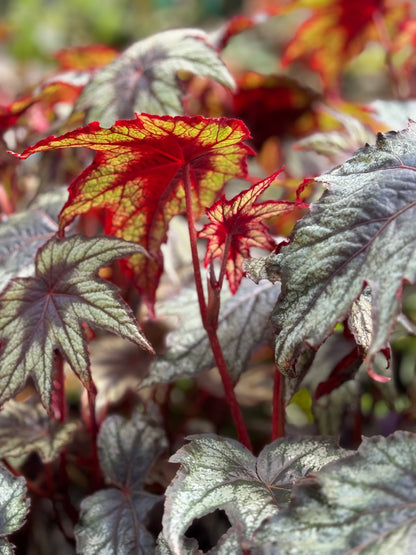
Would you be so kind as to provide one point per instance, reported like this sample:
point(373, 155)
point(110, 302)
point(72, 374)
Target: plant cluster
point(206, 216)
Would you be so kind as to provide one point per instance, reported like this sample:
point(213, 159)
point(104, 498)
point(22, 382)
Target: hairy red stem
point(210, 325)
point(278, 415)
point(94, 434)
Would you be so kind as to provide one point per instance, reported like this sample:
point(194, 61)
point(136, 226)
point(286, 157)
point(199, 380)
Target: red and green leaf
point(47, 97)
point(138, 177)
point(85, 58)
point(338, 30)
point(273, 105)
point(236, 225)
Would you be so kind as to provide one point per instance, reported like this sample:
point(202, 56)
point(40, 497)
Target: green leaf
point(360, 232)
point(14, 507)
point(144, 77)
point(26, 427)
point(112, 520)
point(219, 473)
point(23, 233)
point(360, 504)
point(42, 313)
point(243, 325)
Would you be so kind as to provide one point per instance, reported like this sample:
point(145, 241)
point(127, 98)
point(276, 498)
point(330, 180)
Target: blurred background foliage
point(37, 28)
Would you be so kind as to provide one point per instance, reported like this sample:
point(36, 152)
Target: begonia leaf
point(26, 427)
point(360, 232)
point(237, 224)
point(243, 325)
point(14, 507)
point(138, 176)
point(47, 95)
point(363, 503)
point(144, 78)
point(220, 473)
point(238, 24)
point(83, 58)
point(44, 313)
point(274, 106)
point(338, 30)
point(112, 520)
point(21, 235)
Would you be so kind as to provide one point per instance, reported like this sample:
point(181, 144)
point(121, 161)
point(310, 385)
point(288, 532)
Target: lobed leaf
point(112, 521)
point(138, 177)
point(243, 325)
point(144, 78)
point(236, 225)
point(338, 30)
point(220, 473)
point(363, 503)
point(360, 233)
point(26, 427)
point(43, 313)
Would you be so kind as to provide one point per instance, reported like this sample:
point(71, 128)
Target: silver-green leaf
point(112, 520)
point(243, 325)
point(360, 232)
point(144, 78)
point(44, 313)
point(27, 427)
point(21, 235)
point(14, 507)
point(364, 503)
point(220, 473)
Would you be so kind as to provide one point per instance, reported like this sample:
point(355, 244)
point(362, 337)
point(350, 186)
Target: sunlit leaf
point(238, 24)
point(359, 233)
point(14, 507)
point(237, 224)
point(363, 503)
point(26, 427)
point(243, 325)
point(144, 78)
point(139, 173)
point(84, 58)
point(338, 30)
point(21, 235)
point(220, 473)
point(43, 313)
point(47, 95)
point(112, 520)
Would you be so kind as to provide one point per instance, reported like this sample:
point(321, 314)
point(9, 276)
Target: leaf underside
point(220, 473)
point(43, 313)
point(363, 503)
point(360, 233)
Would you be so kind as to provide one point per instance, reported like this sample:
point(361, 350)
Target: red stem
point(210, 324)
point(59, 405)
point(278, 416)
point(94, 434)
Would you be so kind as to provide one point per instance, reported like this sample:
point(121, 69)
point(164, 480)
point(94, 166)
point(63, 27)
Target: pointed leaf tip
point(360, 232)
point(138, 177)
point(43, 313)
